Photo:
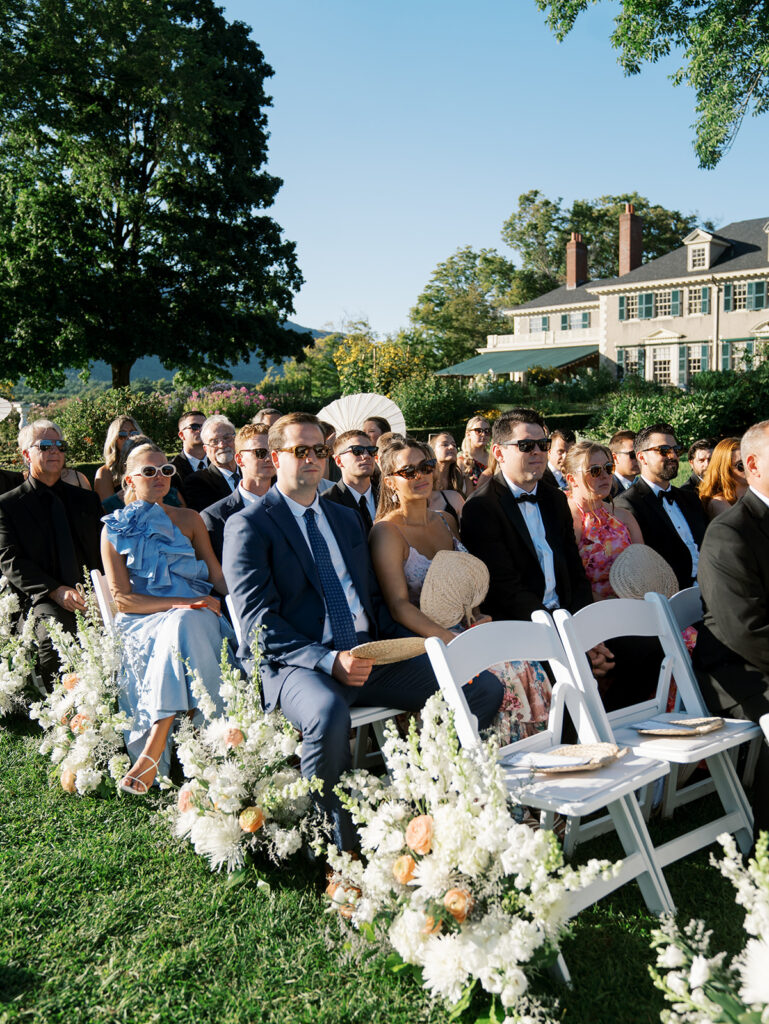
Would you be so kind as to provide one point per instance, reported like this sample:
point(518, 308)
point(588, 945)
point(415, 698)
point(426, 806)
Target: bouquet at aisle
point(702, 986)
point(17, 654)
point(81, 718)
point(244, 793)
point(447, 877)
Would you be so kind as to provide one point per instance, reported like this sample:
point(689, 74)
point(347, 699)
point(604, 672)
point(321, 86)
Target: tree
point(132, 137)
point(541, 227)
point(725, 46)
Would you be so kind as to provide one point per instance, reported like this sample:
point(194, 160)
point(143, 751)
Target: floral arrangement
point(243, 792)
point(17, 654)
point(446, 876)
point(701, 986)
point(240, 404)
point(82, 722)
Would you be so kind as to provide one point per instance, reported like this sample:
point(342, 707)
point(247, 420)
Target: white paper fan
point(350, 412)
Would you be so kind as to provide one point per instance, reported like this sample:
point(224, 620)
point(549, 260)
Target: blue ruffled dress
point(154, 678)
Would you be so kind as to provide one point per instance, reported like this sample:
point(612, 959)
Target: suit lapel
point(758, 510)
point(513, 513)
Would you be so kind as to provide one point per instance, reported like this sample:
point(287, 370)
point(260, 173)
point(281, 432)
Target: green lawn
point(104, 917)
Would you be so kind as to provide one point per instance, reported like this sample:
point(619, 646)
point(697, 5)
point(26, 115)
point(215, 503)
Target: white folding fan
point(350, 412)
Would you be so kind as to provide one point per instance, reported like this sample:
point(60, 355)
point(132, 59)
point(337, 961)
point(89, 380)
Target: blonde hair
point(474, 421)
point(134, 457)
point(387, 455)
point(111, 453)
point(577, 457)
point(719, 476)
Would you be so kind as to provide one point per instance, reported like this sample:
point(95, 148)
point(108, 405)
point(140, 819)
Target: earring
point(394, 497)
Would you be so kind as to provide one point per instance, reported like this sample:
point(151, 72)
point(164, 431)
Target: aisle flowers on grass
point(17, 655)
point(244, 793)
point(447, 877)
point(82, 722)
point(702, 986)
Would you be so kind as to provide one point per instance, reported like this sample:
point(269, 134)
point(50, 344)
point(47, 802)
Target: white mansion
point(703, 306)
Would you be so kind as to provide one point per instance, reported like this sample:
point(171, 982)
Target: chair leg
point(669, 794)
point(571, 836)
point(751, 760)
point(732, 797)
point(635, 838)
point(560, 971)
point(359, 752)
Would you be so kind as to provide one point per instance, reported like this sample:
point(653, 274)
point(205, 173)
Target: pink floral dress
point(603, 537)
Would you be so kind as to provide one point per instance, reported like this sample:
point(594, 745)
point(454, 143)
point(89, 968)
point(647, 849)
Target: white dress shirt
point(678, 519)
point(533, 519)
point(368, 495)
point(760, 496)
point(360, 619)
point(560, 479)
point(196, 463)
point(230, 476)
point(247, 496)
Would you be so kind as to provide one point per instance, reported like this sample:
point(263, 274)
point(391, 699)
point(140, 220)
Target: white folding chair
point(104, 600)
point(360, 718)
point(573, 794)
point(652, 617)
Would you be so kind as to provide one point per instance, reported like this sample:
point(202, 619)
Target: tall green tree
point(133, 136)
point(725, 47)
point(540, 228)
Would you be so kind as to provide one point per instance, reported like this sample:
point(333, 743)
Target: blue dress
point(159, 648)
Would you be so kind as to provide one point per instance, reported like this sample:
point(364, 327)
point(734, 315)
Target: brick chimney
point(576, 261)
point(630, 240)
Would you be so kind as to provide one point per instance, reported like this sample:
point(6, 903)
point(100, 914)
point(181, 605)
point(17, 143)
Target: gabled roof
point(561, 296)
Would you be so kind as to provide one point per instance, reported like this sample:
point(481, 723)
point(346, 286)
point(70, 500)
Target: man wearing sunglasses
point(193, 455)
point(672, 520)
point(222, 475)
point(48, 532)
point(302, 582)
point(354, 455)
point(258, 473)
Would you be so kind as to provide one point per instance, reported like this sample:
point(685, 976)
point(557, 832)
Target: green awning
point(519, 360)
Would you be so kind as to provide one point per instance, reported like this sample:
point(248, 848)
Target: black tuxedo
point(342, 495)
point(10, 478)
point(732, 653)
point(658, 530)
point(216, 515)
point(692, 484)
point(617, 487)
point(183, 466)
point(205, 487)
point(493, 529)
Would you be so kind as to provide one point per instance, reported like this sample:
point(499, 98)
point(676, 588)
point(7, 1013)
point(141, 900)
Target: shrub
point(429, 401)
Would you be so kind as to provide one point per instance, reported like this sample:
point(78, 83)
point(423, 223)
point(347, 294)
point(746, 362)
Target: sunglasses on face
point(123, 434)
point(528, 444)
point(301, 451)
point(665, 450)
point(360, 449)
point(260, 453)
point(193, 426)
point(595, 471)
point(425, 468)
point(480, 430)
point(150, 472)
point(740, 466)
point(46, 446)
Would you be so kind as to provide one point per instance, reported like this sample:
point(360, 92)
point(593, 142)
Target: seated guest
point(107, 481)
point(116, 501)
point(600, 529)
point(474, 458)
point(354, 457)
point(161, 569)
point(448, 481)
point(626, 468)
point(301, 575)
point(732, 653)
point(48, 532)
point(266, 417)
point(406, 537)
point(671, 520)
point(724, 482)
point(559, 446)
point(374, 427)
point(221, 477)
point(258, 472)
point(331, 471)
point(10, 478)
point(193, 456)
point(699, 457)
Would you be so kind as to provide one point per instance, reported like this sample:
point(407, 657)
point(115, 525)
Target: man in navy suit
point(299, 570)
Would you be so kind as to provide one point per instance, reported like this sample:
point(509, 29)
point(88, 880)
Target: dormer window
point(698, 257)
point(704, 249)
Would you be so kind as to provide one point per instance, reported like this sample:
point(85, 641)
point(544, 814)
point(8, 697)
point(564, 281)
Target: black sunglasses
point(260, 453)
point(740, 466)
point(301, 451)
point(528, 444)
point(193, 426)
point(123, 434)
point(360, 449)
point(425, 468)
point(595, 471)
point(665, 449)
point(46, 445)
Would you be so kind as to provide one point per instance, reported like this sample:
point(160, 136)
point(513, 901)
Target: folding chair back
point(104, 600)
point(686, 606)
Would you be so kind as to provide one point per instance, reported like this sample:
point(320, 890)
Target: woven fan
point(350, 412)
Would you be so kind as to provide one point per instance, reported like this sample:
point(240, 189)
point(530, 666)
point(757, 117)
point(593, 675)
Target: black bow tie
point(526, 497)
point(668, 496)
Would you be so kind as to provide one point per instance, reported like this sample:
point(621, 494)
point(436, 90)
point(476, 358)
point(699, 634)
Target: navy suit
point(275, 587)
point(216, 515)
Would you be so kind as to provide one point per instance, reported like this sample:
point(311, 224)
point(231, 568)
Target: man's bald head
point(754, 448)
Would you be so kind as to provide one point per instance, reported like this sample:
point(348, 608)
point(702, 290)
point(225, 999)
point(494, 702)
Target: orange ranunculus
point(251, 819)
point(184, 801)
point(70, 680)
point(68, 780)
point(79, 723)
point(343, 896)
point(234, 738)
point(419, 834)
point(459, 903)
point(403, 868)
point(431, 927)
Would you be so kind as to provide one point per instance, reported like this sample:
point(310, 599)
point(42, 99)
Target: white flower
point(87, 780)
point(671, 957)
point(287, 842)
point(754, 973)
point(444, 967)
point(699, 972)
point(218, 837)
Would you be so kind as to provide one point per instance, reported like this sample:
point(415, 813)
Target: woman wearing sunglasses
point(117, 500)
point(602, 530)
point(474, 459)
point(724, 482)
point(404, 540)
point(161, 569)
point(107, 479)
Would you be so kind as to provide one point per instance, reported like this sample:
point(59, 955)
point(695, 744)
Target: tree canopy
point(725, 46)
point(132, 140)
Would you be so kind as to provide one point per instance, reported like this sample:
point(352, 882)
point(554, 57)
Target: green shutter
point(675, 302)
point(642, 362)
point(621, 361)
point(750, 299)
point(705, 300)
point(756, 294)
point(564, 321)
point(726, 354)
point(545, 323)
point(646, 305)
point(682, 353)
point(727, 298)
point(622, 311)
point(705, 357)
point(585, 320)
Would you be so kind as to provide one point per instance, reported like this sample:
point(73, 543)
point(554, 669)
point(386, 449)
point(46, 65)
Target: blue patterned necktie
point(342, 625)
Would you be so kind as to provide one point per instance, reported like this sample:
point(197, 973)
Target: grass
point(105, 918)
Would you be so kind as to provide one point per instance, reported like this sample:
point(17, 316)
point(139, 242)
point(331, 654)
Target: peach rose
point(68, 780)
point(79, 723)
point(403, 868)
point(70, 680)
point(184, 801)
point(459, 903)
point(251, 819)
point(431, 927)
point(419, 834)
point(343, 896)
point(234, 738)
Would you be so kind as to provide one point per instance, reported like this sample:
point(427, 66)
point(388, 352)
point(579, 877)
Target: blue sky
point(404, 130)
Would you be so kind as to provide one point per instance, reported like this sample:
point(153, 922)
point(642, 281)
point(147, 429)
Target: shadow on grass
point(14, 982)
